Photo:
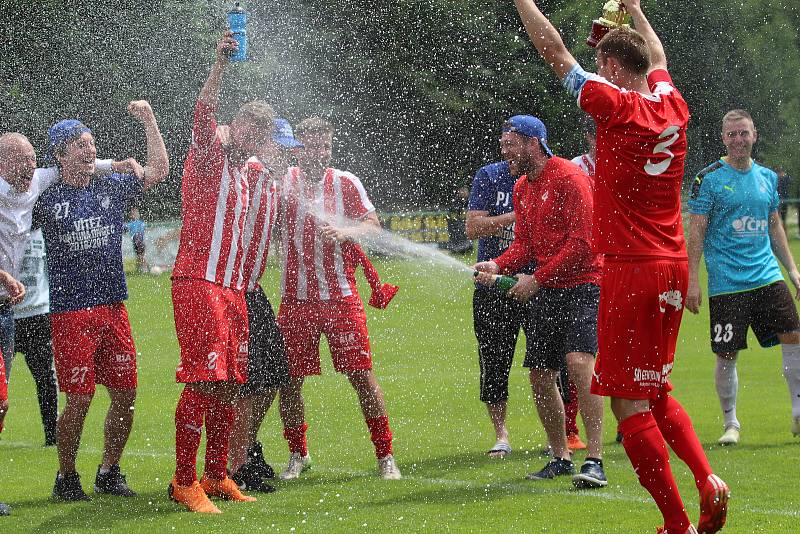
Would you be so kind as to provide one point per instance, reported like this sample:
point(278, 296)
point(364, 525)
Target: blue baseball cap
point(528, 126)
point(60, 133)
point(284, 135)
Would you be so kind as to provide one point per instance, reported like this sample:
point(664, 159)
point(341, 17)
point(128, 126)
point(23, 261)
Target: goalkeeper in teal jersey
point(736, 224)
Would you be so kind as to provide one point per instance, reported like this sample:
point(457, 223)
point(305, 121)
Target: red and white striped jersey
point(259, 223)
point(313, 268)
point(215, 196)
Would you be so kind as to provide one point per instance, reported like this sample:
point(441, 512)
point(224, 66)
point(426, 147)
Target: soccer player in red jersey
point(323, 210)
point(207, 288)
point(641, 146)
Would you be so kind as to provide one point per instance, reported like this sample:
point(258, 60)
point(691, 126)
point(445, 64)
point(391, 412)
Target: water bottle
point(237, 22)
point(501, 281)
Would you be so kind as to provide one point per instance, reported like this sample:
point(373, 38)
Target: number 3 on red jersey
point(655, 169)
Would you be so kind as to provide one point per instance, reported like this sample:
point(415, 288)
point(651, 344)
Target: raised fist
point(141, 110)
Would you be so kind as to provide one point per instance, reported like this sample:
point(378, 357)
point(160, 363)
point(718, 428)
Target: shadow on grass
point(103, 512)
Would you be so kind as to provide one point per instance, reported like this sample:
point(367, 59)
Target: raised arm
point(157, 166)
point(780, 247)
point(209, 94)
point(545, 38)
point(694, 247)
point(658, 59)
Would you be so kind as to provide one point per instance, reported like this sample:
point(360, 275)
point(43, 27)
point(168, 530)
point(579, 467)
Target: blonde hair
point(737, 115)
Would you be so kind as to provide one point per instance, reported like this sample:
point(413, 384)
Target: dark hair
point(312, 126)
point(628, 47)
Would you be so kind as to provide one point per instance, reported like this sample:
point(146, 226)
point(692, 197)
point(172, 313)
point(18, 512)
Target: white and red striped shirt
point(258, 225)
point(585, 162)
point(215, 196)
point(313, 268)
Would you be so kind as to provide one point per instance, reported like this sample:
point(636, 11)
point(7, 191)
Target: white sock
point(727, 380)
point(791, 370)
point(104, 470)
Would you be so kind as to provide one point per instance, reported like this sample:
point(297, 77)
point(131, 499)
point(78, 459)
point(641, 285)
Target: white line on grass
point(506, 486)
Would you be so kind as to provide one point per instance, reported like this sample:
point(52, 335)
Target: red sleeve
point(205, 125)
point(520, 253)
point(576, 254)
point(600, 98)
point(355, 199)
point(659, 75)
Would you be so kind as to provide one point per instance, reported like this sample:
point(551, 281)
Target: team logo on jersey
point(105, 201)
point(212, 360)
point(750, 226)
point(672, 297)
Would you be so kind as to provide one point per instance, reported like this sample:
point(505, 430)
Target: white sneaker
point(796, 427)
point(297, 464)
point(387, 468)
point(730, 437)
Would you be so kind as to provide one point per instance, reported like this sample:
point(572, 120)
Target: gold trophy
point(614, 16)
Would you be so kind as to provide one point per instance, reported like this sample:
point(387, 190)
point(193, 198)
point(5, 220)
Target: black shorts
point(33, 335)
point(562, 320)
point(768, 310)
point(267, 367)
point(497, 320)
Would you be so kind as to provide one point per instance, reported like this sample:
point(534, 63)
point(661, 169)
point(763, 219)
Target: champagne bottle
point(501, 281)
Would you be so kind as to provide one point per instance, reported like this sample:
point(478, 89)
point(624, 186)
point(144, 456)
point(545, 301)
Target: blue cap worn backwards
point(284, 135)
point(60, 133)
point(528, 126)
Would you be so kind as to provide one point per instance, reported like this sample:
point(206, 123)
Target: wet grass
point(425, 358)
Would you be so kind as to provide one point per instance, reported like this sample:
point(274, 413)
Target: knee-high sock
point(296, 438)
point(727, 381)
point(219, 424)
point(791, 370)
point(677, 429)
point(571, 411)
point(650, 458)
point(188, 428)
point(381, 435)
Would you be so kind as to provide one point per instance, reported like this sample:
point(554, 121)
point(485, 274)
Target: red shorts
point(211, 324)
point(345, 327)
point(641, 305)
point(3, 385)
point(93, 346)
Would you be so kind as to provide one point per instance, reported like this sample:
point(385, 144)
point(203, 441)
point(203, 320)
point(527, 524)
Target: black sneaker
point(5, 509)
point(112, 483)
point(248, 479)
point(557, 467)
point(255, 457)
point(591, 475)
point(68, 488)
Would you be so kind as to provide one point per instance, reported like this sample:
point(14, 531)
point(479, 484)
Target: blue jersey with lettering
point(83, 229)
point(738, 205)
point(492, 189)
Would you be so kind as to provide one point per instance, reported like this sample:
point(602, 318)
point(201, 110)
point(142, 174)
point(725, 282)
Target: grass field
point(426, 362)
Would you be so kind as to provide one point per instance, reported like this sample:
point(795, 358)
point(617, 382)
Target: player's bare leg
point(70, 428)
point(240, 437)
point(118, 424)
point(292, 406)
point(370, 397)
point(581, 366)
point(497, 414)
point(550, 408)
point(261, 404)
